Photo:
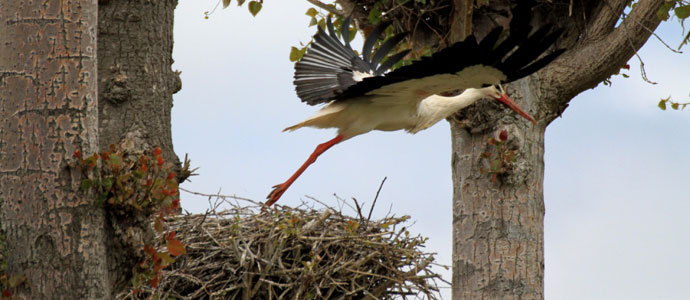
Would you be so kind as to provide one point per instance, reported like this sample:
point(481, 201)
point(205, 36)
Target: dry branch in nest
point(295, 253)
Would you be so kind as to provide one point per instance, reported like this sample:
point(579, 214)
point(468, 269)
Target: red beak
point(507, 101)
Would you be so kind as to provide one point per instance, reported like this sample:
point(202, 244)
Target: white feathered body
point(359, 116)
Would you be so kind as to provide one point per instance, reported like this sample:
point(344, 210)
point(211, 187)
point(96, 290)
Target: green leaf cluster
point(254, 6)
point(681, 10)
point(130, 182)
point(134, 185)
point(375, 14)
point(667, 102)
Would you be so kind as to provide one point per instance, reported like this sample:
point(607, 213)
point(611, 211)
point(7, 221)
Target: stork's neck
point(467, 97)
point(454, 103)
point(435, 108)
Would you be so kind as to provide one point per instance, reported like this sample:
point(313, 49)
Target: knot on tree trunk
point(117, 89)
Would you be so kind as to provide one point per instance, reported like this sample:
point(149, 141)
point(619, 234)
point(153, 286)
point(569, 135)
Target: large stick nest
point(295, 253)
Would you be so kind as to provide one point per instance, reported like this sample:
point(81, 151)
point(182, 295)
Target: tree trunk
point(135, 40)
point(498, 209)
point(48, 103)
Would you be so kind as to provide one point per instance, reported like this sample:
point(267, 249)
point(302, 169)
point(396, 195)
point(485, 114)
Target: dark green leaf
point(240, 2)
point(352, 33)
point(312, 22)
point(662, 104)
point(682, 12)
point(254, 7)
point(101, 199)
point(662, 13)
point(312, 12)
point(226, 3)
point(86, 184)
point(107, 183)
point(375, 15)
point(675, 106)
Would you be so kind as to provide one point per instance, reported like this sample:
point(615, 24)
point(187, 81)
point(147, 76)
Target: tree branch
point(603, 23)
point(593, 60)
point(461, 20)
point(327, 7)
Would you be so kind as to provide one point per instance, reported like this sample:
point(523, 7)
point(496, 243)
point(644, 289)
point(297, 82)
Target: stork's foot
point(278, 191)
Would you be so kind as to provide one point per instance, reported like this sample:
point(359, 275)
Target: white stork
point(361, 98)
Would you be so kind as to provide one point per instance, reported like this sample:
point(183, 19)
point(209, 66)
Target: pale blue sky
point(616, 187)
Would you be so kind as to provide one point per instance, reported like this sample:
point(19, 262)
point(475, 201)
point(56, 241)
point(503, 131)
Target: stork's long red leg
point(279, 189)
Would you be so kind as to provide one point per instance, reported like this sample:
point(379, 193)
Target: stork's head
point(497, 92)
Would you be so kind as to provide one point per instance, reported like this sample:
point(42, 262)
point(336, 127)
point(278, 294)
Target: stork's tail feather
point(324, 118)
point(330, 67)
point(294, 127)
point(315, 121)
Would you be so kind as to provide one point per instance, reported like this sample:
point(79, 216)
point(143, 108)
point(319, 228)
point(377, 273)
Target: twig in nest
point(359, 208)
point(376, 197)
point(221, 196)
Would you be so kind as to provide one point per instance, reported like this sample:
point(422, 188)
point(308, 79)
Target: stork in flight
point(361, 98)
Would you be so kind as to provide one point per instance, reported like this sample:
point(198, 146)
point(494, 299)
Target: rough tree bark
point(136, 80)
point(136, 84)
point(48, 107)
point(498, 226)
point(48, 87)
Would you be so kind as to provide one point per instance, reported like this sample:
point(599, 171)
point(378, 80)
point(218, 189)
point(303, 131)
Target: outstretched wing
point(330, 67)
point(468, 64)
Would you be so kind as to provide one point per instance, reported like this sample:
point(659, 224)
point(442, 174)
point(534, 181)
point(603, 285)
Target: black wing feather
point(527, 58)
point(327, 68)
point(489, 41)
point(535, 66)
point(387, 46)
point(345, 31)
point(347, 50)
point(371, 40)
point(331, 31)
point(528, 49)
point(514, 56)
point(391, 60)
